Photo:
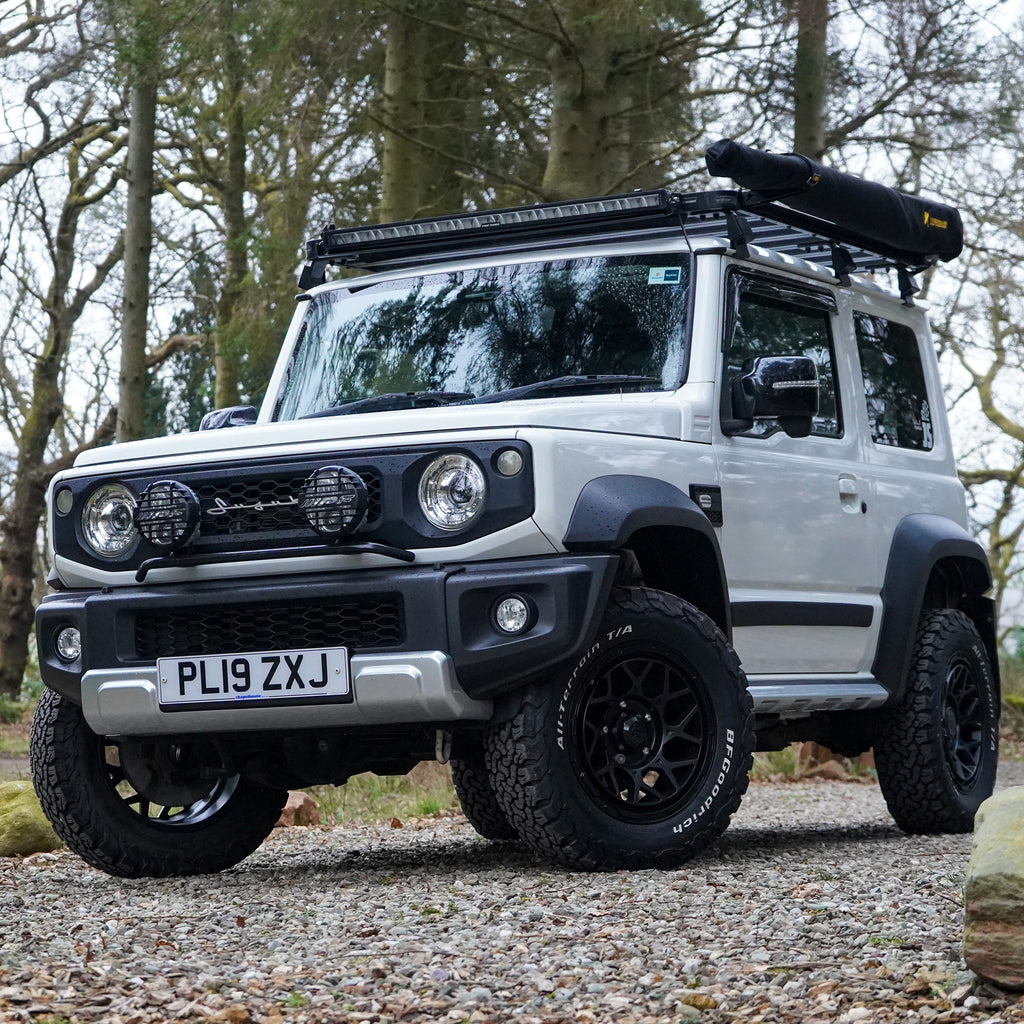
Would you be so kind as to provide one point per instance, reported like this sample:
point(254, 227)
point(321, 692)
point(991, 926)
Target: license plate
point(260, 677)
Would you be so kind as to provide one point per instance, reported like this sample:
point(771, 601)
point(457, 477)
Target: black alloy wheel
point(144, 807)
point(937, 748)
point(635, 754)
point(641, 740)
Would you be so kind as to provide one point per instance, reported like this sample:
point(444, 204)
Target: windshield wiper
point(557, 385)
point(393, 400)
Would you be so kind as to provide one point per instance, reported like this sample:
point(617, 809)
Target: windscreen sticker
point(665, 275)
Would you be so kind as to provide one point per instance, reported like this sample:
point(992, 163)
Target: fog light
point(167, 515)
point(334, 501)
point(512, 614)
point(68, 644)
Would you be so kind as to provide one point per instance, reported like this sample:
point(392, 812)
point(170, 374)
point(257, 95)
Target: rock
point(994, 892)
point(831, 770)
point(23, 826)
point(301, 809)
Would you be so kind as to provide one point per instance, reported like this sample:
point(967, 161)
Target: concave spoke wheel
point(135, 807)
point(643, 736)
point(168, 783)
point(962, 722)
point(937, 748)
point(635, 755)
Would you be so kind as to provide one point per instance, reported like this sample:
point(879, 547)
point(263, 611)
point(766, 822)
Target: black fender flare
point(921, 541)
point(612, 509)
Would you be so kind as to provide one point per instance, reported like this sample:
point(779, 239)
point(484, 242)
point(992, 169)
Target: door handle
point(849, 495)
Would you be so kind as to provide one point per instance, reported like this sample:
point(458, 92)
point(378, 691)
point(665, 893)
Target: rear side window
point(899, 412)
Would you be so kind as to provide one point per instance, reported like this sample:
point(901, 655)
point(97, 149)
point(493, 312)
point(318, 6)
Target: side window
point(898, 409)
point(780, 321)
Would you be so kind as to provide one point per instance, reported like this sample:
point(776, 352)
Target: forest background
point(161, 162)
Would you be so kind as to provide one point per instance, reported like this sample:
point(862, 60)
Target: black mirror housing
point(234, 416)
point(783, 388)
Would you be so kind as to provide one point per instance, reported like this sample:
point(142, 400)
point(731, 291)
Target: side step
point(790, 697)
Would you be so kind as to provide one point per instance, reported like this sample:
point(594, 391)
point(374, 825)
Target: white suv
point(592, 499)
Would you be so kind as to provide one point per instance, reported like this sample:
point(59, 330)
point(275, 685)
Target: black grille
point(251, 504)
point(232, 629)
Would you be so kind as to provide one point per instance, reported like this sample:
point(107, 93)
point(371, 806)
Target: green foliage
point(11, 711)
point(773, 763)
point(426, 790)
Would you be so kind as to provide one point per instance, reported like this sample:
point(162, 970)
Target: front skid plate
point(414, 686)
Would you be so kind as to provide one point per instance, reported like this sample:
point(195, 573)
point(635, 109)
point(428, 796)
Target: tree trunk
point(138, 242)
point(236, 229)
point(402, 109)
point(810, 78)
point(579, 65)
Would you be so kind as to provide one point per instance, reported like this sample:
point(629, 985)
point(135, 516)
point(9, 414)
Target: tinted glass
point(483, 331)
point(898, 409)
point(768, 325)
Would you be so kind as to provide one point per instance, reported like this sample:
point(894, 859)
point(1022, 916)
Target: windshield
point(478, 332)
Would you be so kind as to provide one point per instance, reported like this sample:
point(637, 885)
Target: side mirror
point(235, 416)
point(783, 388)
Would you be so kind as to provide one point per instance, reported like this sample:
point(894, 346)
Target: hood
point(654, 416)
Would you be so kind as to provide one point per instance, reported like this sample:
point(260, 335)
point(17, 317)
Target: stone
point(831, 770)
point(300, 809)
point(994, 892)
point(23, 826)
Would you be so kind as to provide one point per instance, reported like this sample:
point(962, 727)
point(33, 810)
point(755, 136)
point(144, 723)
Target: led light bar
point(375, 244)
point(333, 240)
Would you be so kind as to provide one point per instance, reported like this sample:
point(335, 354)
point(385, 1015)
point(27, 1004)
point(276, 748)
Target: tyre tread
point(516, 752)
point(911, 768)
point(59, 736)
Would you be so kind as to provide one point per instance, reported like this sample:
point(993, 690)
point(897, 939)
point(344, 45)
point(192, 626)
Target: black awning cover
point(918, 227)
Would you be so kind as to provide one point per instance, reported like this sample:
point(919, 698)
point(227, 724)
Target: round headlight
point(107, 520)
point(167, 515)
point(452, 492)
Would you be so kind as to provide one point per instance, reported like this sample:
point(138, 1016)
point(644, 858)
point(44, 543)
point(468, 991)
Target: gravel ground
point(812, 908)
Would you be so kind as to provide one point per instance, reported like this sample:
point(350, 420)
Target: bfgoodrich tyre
point(637, 754)
point(479, 804)
point(937, 749)
point(144, 807)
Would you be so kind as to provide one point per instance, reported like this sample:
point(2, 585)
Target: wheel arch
point(933, 563)
point(674, 544)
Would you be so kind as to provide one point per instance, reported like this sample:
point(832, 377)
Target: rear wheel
point(479, 804)
point(937, 749)
point(637, 754)
point(135, 807)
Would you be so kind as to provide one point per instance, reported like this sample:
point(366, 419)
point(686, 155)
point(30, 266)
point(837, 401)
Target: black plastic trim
point(610, 513)
point(801, 613)
point(919, 544)
point(447, 608)
point(610, 509)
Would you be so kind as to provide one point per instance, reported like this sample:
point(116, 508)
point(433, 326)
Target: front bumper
point(436, 657)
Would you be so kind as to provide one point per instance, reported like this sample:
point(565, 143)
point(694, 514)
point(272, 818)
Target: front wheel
point(144, 807)
point(937, 749)
point(636, 755)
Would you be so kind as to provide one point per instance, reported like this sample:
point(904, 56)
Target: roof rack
point(745, 218)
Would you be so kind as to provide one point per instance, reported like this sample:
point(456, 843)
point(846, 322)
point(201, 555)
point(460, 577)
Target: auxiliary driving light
point(68, 644)
point(513, 614)
point(334, 501)
point(167, 515)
